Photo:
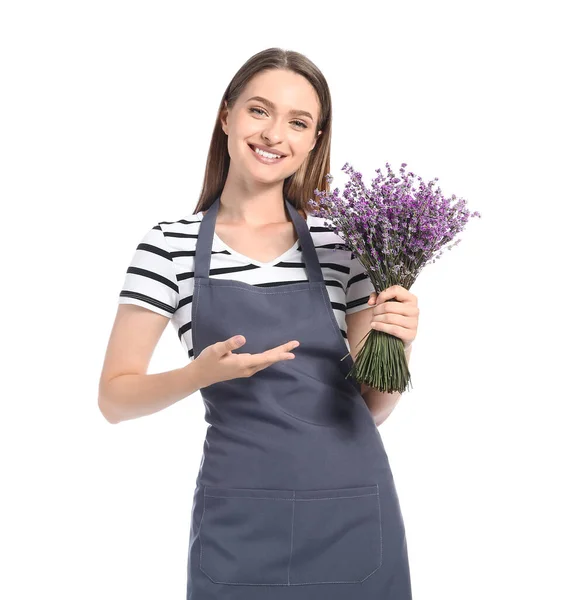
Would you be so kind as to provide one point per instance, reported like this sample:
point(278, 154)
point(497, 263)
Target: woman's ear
point(316, 140)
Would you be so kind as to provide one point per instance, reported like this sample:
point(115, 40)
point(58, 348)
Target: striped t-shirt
point(161, 273)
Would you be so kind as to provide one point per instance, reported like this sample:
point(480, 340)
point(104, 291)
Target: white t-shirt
point(161, 273)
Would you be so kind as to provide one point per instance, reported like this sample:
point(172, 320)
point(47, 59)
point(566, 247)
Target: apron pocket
point(337, 535)
point(245, 535)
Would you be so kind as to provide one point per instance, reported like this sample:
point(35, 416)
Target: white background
point(107, 109)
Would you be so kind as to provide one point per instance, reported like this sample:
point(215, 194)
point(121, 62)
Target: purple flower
point(394, 228)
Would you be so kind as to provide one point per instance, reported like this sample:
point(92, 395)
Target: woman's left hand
point(396, 318)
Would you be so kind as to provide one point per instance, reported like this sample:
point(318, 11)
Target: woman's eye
point(254, 109)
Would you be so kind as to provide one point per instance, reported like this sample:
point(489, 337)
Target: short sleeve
point(359, 287)
point(150, 280)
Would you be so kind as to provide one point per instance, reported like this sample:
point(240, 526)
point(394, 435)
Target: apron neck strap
point(206, 236)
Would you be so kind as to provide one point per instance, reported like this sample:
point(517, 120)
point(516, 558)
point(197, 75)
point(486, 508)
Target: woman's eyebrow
point(272, 107)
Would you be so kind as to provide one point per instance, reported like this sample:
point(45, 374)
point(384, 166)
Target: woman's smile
point(264, 159)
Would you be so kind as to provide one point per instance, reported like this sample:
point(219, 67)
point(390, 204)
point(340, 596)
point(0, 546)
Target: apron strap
point(207, 228)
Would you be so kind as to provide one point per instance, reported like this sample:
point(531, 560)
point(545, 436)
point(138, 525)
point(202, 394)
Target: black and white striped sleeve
point(359, 287)
point(150, 280)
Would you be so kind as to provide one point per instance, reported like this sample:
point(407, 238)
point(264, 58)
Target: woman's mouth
point(264, 159)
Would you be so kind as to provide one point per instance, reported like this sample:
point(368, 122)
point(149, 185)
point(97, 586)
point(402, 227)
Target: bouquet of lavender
point(394, 229)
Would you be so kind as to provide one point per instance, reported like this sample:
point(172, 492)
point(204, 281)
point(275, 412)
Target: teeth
point(266, 154)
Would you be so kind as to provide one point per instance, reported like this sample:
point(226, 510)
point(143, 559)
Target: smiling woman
point(295, 488)
point(271, 120)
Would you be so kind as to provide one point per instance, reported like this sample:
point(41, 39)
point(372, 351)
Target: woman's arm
point(135, 395)
point(125, 389)
point(380, 404)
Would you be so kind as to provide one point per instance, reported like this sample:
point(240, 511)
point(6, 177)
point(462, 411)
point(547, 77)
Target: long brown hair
point(298, 187)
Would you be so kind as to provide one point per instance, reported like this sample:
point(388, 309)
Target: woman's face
point(279, 127)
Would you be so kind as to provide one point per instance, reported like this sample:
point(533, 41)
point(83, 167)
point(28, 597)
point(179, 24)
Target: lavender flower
point(394, 229)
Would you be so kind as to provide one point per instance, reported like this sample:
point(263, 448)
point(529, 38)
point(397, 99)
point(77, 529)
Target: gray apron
point(295, 497)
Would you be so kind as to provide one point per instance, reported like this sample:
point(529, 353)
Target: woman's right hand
point(218, 363)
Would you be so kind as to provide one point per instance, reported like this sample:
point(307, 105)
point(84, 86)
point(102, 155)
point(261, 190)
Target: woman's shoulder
point(185, 221)
point(320, 221)
point(322, 230)
point(181, 233)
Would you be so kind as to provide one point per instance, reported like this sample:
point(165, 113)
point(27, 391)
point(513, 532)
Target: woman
point(294, 497)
